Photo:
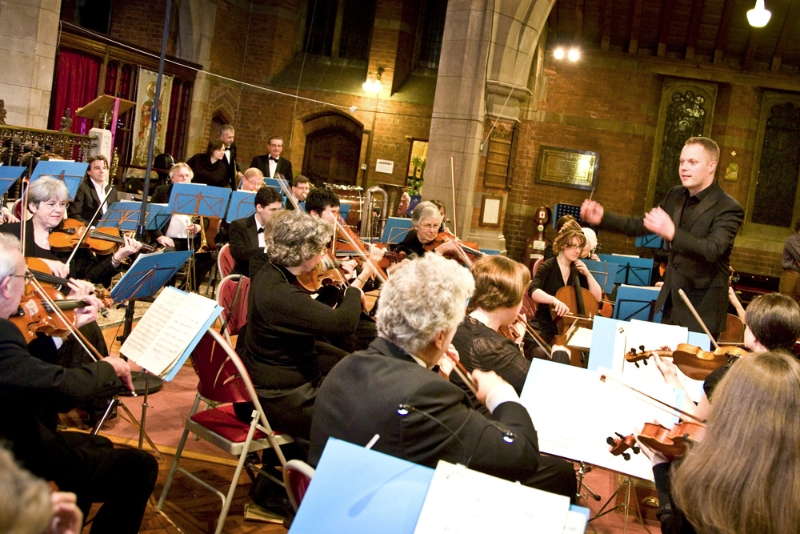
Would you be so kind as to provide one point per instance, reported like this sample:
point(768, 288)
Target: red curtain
point(76, 85)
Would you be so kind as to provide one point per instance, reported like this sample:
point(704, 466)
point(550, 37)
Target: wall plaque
point(568, 168)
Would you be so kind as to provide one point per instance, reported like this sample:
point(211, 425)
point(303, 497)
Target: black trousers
point(556, 476)
point(122, 479)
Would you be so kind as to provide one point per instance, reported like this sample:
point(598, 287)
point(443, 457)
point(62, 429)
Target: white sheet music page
point(463, 501)
point(646, 376)
point(167, 328)
point(574, 412)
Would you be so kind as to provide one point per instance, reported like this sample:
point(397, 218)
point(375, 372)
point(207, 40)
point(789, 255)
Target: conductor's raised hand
point(592, 212)
point(660, 223)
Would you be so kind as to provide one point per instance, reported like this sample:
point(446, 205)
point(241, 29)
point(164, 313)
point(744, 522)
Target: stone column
point(484, 70)
point(28, 38)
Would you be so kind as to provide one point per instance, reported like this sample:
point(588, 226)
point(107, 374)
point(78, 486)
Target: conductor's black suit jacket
point(284, 167)
point(699, 254)
point(86, 201)
point(361, 396)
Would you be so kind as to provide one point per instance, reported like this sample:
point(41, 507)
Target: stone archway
point(332, 147)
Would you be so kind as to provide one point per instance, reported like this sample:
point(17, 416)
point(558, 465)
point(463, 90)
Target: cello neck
point(578, 293)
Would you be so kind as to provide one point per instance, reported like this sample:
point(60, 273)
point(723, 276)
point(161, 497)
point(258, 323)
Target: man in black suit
point(247, 234)
point(698, 222)
point(272, 163)
point(227, 135)
point(390, 389)
point(32, 390)
point(92, 190)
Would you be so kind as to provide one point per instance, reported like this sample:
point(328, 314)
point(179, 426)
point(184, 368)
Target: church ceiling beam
point(789, 26)
point(636, 24)
point(721, 42)
point(665, 18)
point(695, 15)
point(605, 31)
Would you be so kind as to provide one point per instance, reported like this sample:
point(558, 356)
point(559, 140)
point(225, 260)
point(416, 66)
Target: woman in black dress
point(557, 272)
point(500, 284)
point(209, 167)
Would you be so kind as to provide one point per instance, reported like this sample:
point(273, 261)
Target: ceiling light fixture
point(759, 16)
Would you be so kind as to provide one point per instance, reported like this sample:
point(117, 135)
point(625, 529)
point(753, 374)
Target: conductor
point(698, 222)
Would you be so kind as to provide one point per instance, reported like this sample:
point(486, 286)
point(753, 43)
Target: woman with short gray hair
point(283, 343)
point(427, 221)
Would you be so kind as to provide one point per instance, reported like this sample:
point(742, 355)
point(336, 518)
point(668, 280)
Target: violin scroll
point(618, 446)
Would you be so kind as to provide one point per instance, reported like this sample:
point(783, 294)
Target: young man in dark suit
point(698, 222)
point(247, 234)
point(272, 163)
point(390, 389)
point(91, 191)
point(33, 390)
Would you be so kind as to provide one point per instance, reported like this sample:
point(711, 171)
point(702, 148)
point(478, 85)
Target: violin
point(468, 249)
point(693, 361)
point(618, 446)
point(101, 241)
point(325, 273)
point(36, 316)
point(671, 443)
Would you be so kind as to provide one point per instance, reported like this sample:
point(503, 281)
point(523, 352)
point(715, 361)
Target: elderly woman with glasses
point(557, 272)
point(47, 205)
point(427, 221)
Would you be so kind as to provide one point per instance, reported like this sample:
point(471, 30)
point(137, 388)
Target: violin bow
point(677, 411)
point(23, 210)
point(697, 317)
point(463, 374)
point(90, 349)
point(88, 227)
point(453, 193)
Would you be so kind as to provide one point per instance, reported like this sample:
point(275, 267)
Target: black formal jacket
point(30, 388)
point(284, 323)
point(284, 167)
point(231, 168)
point(208, 173)
point(699, 254)
point(361, 395)
point(243, 239)
point(86, 201)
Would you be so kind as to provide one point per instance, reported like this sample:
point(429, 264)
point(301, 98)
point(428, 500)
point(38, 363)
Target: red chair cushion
point(224, 422)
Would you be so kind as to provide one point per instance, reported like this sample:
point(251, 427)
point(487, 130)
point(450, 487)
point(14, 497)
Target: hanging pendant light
point(759, 16)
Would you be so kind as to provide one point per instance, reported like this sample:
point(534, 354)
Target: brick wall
point(140, 22)
point(609, 104)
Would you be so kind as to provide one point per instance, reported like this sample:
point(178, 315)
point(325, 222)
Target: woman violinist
point(282, 344)
point(47, 203)
point(557, 272)
point(744, 476)
point(427, 221)
point(772, 324)
point(500, 284)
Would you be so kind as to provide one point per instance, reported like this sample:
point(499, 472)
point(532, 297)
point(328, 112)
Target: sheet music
point(574, 412)
point(581, 338)
point(514, 507)
point(168, 327)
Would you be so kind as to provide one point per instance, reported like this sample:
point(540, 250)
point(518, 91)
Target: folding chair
point(297, 477)
point(232, 293)
point(223, 381)
point(225, 261)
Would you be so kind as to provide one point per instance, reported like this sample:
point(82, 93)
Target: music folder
point(199, 199)
point(125, 215)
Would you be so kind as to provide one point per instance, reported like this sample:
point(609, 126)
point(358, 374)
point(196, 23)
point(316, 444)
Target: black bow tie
point(260, 230)
point(273, 159)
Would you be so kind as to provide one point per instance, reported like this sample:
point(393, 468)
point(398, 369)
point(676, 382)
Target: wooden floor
point(192, 509)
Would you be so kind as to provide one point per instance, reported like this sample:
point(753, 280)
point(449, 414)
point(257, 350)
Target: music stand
point(649, 241)
point(9, 176)
point(69, 172)
point(145, 277)
point(636, 303)
point(395, 229)
point(601, 270)
point(242, 205)
point(125, 215)
point(631, 270)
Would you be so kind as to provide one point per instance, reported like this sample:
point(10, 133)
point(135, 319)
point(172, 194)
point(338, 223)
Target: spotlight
point(759, 16)
point(559, 53)
point(574, 54)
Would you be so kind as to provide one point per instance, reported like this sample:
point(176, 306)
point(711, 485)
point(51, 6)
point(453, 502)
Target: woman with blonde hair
point(744, 476)
point(557, 272)
point(500, 284)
